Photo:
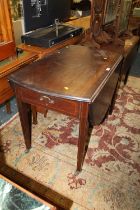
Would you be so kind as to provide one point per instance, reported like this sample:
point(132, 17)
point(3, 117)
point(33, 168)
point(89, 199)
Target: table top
point(74, 72)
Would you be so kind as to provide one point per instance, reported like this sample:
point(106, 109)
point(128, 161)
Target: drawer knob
point(50, 101)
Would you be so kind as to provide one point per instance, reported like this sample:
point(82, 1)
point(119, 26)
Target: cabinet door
point(7, 43)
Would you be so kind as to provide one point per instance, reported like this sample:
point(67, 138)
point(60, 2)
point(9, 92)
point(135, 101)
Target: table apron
point(66, 106)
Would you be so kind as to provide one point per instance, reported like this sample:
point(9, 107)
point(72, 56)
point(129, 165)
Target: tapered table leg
point(83, 134)
point(26, 121)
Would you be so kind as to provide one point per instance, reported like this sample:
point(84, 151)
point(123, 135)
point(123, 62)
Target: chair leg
point(8, 107)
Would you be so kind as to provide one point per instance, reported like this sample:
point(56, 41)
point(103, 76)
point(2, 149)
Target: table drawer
point(50, 102)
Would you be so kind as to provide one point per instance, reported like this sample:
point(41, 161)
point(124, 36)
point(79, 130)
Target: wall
point(16, 12)
point(18, 30)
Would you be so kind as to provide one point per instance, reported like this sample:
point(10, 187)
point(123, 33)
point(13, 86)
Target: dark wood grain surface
point(74, 72)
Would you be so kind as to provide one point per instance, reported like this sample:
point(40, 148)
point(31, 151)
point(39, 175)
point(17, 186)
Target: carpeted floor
point(4, 116)
point(110, 179)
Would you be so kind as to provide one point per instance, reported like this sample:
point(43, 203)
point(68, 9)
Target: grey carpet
point(135, 70)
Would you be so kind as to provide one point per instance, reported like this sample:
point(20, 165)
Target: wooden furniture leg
point(34, 114)
point(8, 107)
point(45, 114)
point(126, 76)
point(111, 108)
point(26, 121)
point(83, 134)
